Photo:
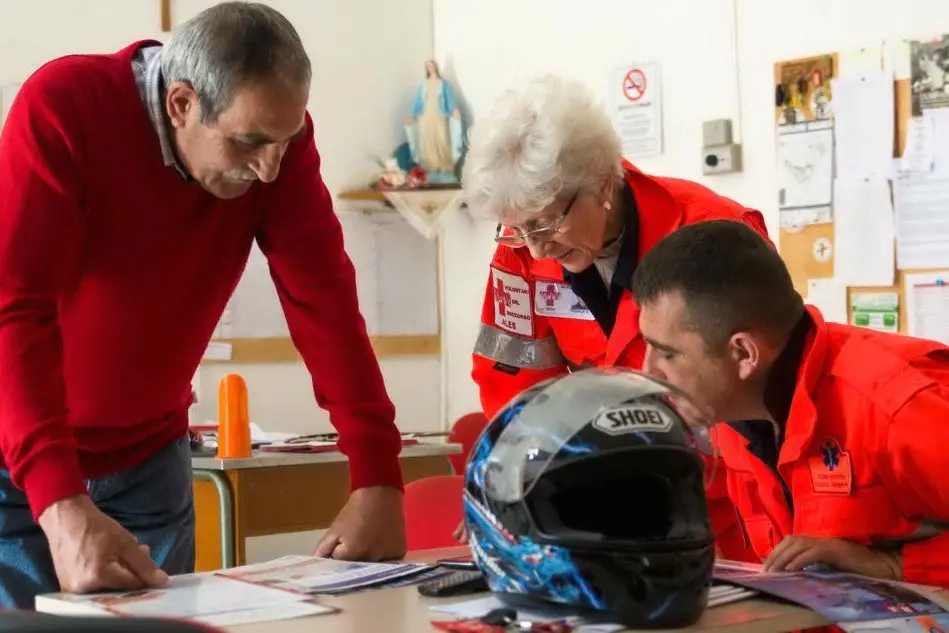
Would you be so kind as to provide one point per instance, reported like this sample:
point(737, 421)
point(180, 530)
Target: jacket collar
point(802, 414)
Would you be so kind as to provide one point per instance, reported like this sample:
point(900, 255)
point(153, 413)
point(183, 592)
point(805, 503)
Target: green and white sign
point(876, 310)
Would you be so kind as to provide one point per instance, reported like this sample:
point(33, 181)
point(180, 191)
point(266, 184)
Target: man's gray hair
point(230, 44)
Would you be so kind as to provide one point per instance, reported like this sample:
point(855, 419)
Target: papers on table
point(311, 576)
point(206, 598)
point(275, 590)
point(854, 603)
point(719, 594)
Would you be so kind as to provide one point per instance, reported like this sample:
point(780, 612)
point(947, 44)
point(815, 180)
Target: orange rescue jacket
point(864, 452)
point(524, 338)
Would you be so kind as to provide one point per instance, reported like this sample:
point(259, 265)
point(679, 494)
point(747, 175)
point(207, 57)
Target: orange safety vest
point(523, 340)
point(864, 454)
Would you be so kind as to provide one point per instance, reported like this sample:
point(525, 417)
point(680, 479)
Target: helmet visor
point(614, 401)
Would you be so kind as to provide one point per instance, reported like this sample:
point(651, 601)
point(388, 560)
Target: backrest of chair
point(432, 511)
point(465, 431)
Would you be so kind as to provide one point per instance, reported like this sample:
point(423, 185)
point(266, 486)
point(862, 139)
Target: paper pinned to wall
point(254, 309)
point(939, 124)
point(876, 311)
point(864, 125)
point(858, 61)
point(927, 305)
point(636, 107)
point(830, 297)
point(396, 273)
point(919, 153)
point(864, 233)
point(897, 59)
point(805, 173)
point(921, 204)
point(396, 283)
point(218, 350)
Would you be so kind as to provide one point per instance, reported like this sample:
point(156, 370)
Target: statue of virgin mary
point(434, 128)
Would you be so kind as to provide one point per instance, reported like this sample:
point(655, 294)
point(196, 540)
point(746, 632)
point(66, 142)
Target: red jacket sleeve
point(41, 189)
point(914, 469)
point(515, 348)
point(302, 239)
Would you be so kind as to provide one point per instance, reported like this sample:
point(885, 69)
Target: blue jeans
point(154, 501)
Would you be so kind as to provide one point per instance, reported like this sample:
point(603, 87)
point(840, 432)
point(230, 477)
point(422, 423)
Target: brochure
point(206, 598)
point(310, 576)
point(276, 590)
point(854, 603)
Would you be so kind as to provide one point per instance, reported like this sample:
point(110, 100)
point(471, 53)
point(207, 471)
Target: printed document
point(927, 305)
point(864, 125)
point(310, 576)
point(854, 603)
point(864, 233)
point(207, 598)
point(921, 202)
point(274, 590)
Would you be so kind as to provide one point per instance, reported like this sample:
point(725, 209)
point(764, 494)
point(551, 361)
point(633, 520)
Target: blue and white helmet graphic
point(588, 490)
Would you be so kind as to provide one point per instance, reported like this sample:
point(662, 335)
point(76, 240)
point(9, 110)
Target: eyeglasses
point(515, 238)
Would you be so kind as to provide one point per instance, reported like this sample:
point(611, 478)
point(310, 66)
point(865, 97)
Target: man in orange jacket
point(573, 219)
point(846, 463)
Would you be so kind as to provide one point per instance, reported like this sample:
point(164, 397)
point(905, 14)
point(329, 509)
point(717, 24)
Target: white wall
point(692, 40)
point(367, 59)
point(488, 45)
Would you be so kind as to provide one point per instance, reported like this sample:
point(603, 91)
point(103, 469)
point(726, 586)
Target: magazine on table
point(854, 603)
point(276, 590)
point(310, 575)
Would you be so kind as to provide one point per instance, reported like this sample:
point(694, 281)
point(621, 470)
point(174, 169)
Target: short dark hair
point(730, 277)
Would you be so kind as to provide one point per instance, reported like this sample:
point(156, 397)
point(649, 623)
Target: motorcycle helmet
point(588, 491)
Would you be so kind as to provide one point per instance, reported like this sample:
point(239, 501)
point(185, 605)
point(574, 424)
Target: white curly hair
point(541, 139)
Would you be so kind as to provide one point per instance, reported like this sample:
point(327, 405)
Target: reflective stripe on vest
point(499, 346)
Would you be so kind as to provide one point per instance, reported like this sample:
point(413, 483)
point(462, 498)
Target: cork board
point(804, 250)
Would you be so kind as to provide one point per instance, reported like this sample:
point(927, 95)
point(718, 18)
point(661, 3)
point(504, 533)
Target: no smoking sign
point(636, 105)
point(634, 85)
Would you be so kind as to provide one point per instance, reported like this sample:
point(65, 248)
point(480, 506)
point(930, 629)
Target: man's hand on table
point(795, 552)
point(371, 526)
point(92, 552)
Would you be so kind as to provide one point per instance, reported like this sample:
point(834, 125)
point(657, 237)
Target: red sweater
point(114, 272)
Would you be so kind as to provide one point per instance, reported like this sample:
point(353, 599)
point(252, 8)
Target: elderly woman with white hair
point(573, 219)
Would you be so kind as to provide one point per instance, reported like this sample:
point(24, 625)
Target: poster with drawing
point(803, 92)
point(805, 141)
point(929, 67)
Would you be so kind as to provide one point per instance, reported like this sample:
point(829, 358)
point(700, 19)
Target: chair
point(432, 511)
point(465, 431)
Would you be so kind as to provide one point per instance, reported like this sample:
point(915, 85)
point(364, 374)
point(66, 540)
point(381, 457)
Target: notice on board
point(636, 106)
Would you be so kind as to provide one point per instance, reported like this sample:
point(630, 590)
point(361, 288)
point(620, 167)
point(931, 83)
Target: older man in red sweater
point(132, 186)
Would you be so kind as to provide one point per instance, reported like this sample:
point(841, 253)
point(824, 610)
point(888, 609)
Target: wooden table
point(403, 610)
point(279, 493)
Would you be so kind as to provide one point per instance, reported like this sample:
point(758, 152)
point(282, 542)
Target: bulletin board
point(809, 251)
point(397, 277)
